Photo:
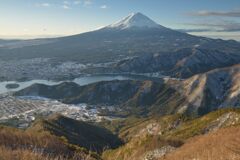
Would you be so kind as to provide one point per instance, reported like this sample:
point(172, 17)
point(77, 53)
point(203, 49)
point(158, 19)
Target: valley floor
point(23, 111)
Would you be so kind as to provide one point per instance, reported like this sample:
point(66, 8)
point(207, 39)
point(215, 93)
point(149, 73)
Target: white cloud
point(43, 5)
point(65, 6)
point(66, 2)
point(77, 2)
point(217, 26)
point(104, 7)
point(233, 13)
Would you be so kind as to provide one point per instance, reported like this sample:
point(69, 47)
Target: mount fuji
point(137, 44)
point(134, 20)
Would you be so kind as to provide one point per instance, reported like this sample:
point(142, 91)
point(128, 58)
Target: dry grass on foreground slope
point(220, 145)
point(17, 144)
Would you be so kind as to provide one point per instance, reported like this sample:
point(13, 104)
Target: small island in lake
point(12, 86)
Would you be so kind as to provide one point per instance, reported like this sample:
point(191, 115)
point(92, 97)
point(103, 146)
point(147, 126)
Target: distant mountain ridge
point(182, 63)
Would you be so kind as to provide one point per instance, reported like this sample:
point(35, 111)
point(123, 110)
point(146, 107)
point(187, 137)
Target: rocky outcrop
point(216, 89)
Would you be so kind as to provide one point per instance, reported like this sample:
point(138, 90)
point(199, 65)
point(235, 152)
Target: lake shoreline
point(82, 80)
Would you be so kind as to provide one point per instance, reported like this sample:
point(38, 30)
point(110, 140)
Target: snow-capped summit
point(135, 20)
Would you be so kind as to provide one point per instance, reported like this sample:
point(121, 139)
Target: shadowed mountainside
point(86, 135)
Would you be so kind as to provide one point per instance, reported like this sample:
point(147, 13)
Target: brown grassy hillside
point(220, 145)
point(17, 144)
point(151, 139)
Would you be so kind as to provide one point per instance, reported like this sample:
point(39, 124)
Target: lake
point(81, 81)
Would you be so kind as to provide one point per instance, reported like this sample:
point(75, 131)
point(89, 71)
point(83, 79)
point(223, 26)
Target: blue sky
point(50, 18)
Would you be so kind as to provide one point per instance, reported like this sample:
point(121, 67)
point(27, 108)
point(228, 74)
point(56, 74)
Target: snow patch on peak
point(135, 20)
